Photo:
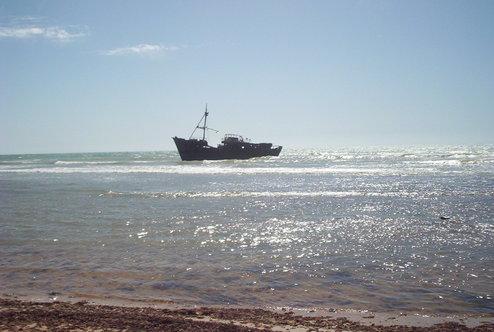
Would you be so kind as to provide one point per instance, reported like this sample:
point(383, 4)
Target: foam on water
point(184, 194)
point(60, 162)
point(183, 169)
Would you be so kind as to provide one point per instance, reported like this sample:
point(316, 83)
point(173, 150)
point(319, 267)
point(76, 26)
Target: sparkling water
point(408, 229)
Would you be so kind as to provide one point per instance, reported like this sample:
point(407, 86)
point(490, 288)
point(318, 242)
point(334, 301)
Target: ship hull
point(192, 149)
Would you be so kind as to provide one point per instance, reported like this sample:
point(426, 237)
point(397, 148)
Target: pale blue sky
point(128, 75)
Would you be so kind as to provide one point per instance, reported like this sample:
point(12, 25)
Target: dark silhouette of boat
point(231, 147)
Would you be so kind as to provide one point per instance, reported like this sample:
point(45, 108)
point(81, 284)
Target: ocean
point(386, 229)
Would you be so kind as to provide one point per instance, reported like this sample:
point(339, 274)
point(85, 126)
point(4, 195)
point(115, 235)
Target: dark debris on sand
point(29, 316)
point(17, 315)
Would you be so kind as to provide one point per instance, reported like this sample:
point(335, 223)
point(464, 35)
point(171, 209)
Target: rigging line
point(197, 126)
point(204, 126)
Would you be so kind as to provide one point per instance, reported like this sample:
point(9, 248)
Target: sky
point(90, 76)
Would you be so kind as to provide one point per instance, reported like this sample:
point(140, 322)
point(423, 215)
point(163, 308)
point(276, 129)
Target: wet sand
point(19, 315)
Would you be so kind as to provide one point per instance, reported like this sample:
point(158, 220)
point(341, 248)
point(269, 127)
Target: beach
point(16, 315)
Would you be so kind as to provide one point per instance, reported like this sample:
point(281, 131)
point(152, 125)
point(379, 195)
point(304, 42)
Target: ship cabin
point(234, 139)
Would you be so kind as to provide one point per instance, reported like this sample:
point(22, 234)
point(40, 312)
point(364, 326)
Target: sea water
point(408, 229)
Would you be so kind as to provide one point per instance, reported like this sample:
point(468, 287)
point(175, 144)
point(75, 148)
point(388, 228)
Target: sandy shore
point(17, 315)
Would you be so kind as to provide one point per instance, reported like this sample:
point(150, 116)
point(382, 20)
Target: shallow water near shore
point(384, 229)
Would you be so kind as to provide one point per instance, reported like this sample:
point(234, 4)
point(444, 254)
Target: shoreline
point(63, 314)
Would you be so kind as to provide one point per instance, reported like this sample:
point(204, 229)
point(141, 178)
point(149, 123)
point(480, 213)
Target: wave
point(21, 161)
point(62, 162)
point(213, 194)
point(211, 169)
point(449, 162)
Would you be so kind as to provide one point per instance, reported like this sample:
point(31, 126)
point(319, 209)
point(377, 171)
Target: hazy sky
point(129, 75)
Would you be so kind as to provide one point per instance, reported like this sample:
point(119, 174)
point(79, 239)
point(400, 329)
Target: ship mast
point(203, 127)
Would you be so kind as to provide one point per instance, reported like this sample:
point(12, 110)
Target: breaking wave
point(213, 194)
point(210, 169)
point(61, 162)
